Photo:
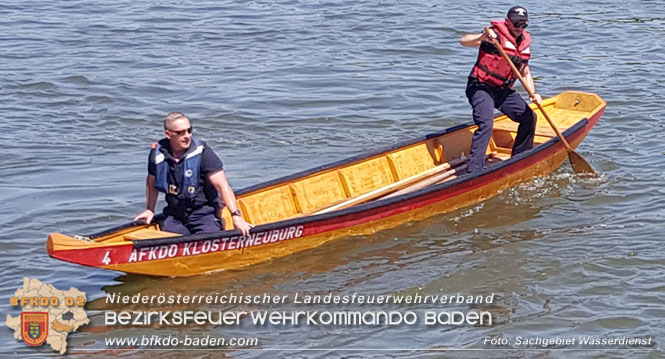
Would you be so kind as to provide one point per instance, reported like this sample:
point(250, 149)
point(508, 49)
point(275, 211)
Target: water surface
point(279, 87)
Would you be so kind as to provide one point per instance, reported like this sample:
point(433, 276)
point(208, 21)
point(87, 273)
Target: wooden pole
point(580, 165)
point(379, 192)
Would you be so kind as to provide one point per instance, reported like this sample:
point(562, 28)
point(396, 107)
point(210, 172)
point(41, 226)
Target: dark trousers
point(193, 221)
point(484, 99)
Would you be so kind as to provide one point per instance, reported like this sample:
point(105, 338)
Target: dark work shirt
point(210, 164)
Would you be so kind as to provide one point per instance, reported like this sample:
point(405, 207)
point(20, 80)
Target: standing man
point(191, 175)
point(491, 80)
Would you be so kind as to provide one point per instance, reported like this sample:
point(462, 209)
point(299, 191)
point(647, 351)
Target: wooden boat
point(357, 196)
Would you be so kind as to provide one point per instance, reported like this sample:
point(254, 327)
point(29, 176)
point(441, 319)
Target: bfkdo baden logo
point(34, 327)
point(48, 314)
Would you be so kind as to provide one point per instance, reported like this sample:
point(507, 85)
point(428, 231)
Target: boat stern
point(83, 251)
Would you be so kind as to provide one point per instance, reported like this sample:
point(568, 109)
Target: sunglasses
point(181, 132)
point(521, 25)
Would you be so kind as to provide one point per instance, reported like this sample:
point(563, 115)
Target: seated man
point(192, 177)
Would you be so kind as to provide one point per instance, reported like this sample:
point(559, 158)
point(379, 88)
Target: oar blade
point(580, 165)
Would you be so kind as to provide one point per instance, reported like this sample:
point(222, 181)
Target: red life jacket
point(491, 68)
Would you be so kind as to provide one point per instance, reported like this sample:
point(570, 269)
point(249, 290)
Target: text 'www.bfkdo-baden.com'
point(183, 341)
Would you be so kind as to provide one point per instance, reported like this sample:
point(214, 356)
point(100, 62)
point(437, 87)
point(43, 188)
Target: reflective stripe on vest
point(190, 173)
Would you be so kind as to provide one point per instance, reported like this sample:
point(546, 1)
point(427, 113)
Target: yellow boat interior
point(321, 190)
point(389, 173)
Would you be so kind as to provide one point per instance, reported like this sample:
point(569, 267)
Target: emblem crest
point(34, 327)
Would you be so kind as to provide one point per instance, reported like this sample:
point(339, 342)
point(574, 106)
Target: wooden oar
point(435, 179)
point(580, 165)
point(428, 182)
point(392, 187)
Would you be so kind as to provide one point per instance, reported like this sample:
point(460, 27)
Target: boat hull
point(205, 253)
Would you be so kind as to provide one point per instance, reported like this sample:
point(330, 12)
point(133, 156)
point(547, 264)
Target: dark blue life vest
point(190, 174)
